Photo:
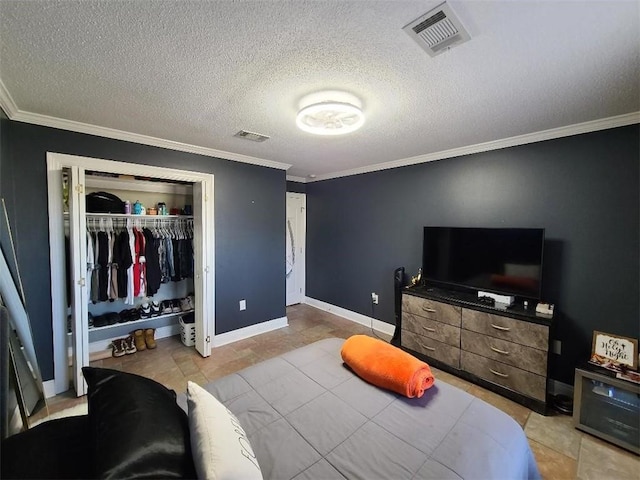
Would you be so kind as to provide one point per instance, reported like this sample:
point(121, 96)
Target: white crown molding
point(6, 101)
point(553, 133)
point(73, 126)
point(292, 178)
point(12, 111)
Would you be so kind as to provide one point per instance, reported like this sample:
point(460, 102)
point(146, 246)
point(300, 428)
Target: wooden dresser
point(506, 351)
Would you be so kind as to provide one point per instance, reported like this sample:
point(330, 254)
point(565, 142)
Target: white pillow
point(220, 447)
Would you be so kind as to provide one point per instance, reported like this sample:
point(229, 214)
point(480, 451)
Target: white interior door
point(204, 275)
point(79, 280)
point(295, 247)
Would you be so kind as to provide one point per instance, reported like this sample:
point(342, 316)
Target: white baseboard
point(250, 331)
point(378, 325)
point(49, 388)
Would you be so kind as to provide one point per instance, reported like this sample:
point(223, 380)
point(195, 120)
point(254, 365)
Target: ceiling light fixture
point(330, 113)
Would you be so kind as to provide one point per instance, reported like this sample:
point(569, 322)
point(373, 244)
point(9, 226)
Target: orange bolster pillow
point(386, 366)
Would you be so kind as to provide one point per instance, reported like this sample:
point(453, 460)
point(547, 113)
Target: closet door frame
point(79, 296)
point(204, 272)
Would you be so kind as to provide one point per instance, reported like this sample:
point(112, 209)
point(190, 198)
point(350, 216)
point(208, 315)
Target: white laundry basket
point(187, 333)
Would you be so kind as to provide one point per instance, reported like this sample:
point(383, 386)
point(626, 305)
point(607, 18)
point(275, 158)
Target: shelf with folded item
point(140, 320)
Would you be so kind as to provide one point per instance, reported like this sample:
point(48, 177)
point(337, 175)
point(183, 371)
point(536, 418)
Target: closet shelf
point(115, 183)
point(140, 320)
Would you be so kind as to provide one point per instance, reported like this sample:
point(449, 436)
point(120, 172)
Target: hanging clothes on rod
point(129, 257)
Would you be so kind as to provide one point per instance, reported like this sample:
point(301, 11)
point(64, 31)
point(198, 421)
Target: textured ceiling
point(196, 72)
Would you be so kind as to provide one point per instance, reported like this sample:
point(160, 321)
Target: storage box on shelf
point(505, 351)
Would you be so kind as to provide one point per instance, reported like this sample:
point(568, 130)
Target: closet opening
point(137, 261)
point(141, 261)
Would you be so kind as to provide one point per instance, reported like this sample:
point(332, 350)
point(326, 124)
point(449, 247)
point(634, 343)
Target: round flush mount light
point(330, 113)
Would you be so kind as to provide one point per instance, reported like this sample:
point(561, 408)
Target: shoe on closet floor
point(118, 347)
point(148, 338)
point(138, 337)
point(130, 345)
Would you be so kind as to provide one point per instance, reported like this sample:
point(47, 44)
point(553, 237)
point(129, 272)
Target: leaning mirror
point(21, 388)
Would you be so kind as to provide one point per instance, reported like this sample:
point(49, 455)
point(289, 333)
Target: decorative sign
point(614, 352)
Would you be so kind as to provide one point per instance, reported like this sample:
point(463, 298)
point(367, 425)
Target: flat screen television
point(506, 261)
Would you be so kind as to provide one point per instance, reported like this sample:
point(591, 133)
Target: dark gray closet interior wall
point(583, 190)
point(249, 224)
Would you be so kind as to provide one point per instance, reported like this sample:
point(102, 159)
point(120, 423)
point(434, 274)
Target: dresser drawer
point(509, 329)
point(442, 312)
point(525, 358)
point(431, 348)
point(427, 327)
point(527, 383)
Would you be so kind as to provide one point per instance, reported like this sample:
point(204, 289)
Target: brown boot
point(138, 337)
point(148, 338)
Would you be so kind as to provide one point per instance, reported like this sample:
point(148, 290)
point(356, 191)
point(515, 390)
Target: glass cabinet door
point(610, 408)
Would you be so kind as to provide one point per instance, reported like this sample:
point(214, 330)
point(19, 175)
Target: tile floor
point(562, 451)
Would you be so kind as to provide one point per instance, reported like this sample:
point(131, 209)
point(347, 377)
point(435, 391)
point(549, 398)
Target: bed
point(308, 416)
point(301, 415)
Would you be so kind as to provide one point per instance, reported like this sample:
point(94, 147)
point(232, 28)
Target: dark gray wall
point(296, 187)
point(249, 224)
point(583, 190)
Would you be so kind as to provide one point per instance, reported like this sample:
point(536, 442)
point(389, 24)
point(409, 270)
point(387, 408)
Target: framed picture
point(614, 352)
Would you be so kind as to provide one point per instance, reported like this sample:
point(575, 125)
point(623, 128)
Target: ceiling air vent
point(254, 137)
point(437, 30)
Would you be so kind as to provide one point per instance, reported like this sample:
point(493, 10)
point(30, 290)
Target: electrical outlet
point(243, 305)
point(374, 298)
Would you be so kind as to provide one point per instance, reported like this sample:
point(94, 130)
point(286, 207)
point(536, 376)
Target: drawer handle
point(503, 375)
point(497, 350)
point(498, 327)
point(427, 309)
point(429, 348)
point(430, 329)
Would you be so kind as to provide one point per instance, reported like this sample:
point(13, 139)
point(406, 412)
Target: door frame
point(56, 162)
point(300, 235)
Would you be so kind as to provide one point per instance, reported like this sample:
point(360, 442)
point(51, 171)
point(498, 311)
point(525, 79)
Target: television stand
point(504, 349)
